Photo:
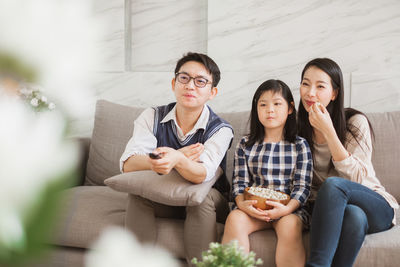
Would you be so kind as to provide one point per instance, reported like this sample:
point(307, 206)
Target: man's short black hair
point(208, 63)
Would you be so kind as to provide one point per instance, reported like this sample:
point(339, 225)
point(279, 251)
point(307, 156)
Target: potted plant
point(227, 255)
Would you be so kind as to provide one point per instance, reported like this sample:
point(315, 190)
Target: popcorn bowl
point(262, 194)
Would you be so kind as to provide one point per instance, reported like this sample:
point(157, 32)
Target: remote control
point(154, 156)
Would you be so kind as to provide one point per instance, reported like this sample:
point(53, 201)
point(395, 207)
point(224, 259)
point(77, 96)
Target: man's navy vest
point(166, 134)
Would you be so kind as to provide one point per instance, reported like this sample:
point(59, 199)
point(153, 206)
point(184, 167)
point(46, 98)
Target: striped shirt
point(281, 166)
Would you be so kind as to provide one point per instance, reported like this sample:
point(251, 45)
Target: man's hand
point(168, 158)
point(193, 152)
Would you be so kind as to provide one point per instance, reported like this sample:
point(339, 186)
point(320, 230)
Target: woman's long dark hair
point(256, 128)
point(338, 113)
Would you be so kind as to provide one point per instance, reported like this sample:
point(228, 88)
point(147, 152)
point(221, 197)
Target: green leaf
point(12, 66)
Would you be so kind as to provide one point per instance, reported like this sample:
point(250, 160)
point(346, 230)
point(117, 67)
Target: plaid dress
point(281, 166)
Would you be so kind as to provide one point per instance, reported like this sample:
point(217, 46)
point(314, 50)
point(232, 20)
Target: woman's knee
point(332, 184)
point(355, 221)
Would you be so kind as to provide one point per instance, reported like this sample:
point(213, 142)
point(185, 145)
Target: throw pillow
point(170, 189)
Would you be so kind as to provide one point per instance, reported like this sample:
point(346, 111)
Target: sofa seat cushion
point(60, 257)
point(380, 249)
point(85, 212)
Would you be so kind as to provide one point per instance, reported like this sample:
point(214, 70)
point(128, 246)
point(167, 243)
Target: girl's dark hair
point(256, 128)
point(208, 63)
point(337, 112)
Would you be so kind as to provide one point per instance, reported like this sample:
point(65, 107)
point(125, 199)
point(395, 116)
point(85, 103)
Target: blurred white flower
point(25, 91)
point(52, 106)
point(56, 38)
point(53, 44)
point(117, 247)
point(35, 102)
point(33, 153)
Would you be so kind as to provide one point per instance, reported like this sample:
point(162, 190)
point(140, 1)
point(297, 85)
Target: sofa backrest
point(386, 153)
point(240, 124)
point(113, 128)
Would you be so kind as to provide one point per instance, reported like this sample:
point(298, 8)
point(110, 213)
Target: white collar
point(200, 124)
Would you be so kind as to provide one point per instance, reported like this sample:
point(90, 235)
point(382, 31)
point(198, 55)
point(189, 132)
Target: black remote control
point(154, 156)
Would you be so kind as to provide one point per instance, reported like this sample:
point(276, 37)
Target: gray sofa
point(92, 206)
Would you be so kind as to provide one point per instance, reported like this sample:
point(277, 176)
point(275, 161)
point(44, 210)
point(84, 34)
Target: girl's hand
point(279, 210)
point(320, 119)
point(247, 207)
point(193, 152)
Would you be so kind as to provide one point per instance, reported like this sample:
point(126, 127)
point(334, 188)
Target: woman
point(352, 202)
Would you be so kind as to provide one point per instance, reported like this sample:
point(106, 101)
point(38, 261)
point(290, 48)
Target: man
point(186, 136)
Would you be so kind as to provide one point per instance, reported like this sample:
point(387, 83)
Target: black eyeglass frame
point(194, 79)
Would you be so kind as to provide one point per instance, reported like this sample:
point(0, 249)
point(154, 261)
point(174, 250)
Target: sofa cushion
point(239, 122)
point(386, 149)
point(60, 256)
point(170, 189)
point(113, 127)
point(380, 249)
point(85, 212)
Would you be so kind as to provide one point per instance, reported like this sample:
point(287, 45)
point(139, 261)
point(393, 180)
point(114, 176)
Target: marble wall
point(251, 41)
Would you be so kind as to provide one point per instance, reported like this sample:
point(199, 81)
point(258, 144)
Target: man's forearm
point(192, 171)
point(136, 163)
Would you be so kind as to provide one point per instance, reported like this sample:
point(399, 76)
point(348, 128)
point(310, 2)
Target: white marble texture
point(162, 31)
point(251, 41)
point(112, 44)
point(279, 35)
point(375, 92)
point(142, 89)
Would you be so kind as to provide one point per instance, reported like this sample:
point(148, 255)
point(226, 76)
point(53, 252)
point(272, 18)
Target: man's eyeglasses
point(184, 78)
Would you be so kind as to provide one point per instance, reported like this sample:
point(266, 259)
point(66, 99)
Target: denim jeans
point(344, 212)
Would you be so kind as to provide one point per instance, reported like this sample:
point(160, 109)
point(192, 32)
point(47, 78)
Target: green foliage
point(10, 65)
point(227, 255)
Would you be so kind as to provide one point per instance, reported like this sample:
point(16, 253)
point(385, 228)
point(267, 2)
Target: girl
point(272, 155)
point(347, 208)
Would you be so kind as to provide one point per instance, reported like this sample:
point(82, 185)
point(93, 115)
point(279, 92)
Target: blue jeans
point(344, 212)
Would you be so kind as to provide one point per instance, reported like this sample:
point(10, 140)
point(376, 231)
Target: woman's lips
point(188, 95)
point(309, 103)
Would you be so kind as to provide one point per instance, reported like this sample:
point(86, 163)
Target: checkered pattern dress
point(282, 166)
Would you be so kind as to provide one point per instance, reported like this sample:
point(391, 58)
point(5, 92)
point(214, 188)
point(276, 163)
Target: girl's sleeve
point(358, 165)
point(240, 179)
point(303, 172)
